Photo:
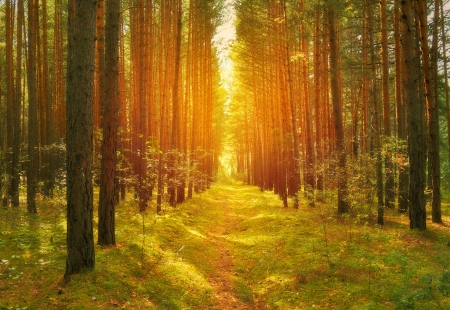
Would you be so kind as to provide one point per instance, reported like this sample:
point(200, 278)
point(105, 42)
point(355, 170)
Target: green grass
point(265, 256)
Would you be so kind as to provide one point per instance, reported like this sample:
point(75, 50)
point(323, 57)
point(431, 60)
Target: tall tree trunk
point(109, 108)
point(446, 86)
point(375, 148)
point(2, 144)
point(33, 128)
point(99, 69)
point(403, 178)
point(80, 100)
point(15, 177)
point(337, 113)
point(176, 124)
point(310, 159)
point(59, 102)
point(49, 133)
point(365, 81)
point(9, 11)
point(416, 137)
point(389, 199)
point(317, 101)
point(433, 115)
point(294, 174)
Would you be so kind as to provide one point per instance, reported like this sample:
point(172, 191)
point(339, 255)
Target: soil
point(222, 279)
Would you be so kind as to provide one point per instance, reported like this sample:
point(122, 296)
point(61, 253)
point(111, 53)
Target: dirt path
point(222, 279)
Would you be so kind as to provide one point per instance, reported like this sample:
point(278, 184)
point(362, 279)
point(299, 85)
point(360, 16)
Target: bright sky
point(226, 33)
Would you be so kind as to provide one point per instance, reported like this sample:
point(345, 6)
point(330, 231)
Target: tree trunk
point(33, 129)
point(109, 108)
point(403, 178)
point(337, 113)
point(99, 69)
point(9, 12)
point(175, 178)
point(416, 137)
point(444, 53)
point(389, 199)
point(15, 176)
point(433, 122)
point(317, 102)
point(80, 100)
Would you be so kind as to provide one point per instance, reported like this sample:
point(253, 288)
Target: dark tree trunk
point(375, 136)
point(33, 130)
point(416, 137)
point(109, 108)
point(9, 11)
point(80, 98)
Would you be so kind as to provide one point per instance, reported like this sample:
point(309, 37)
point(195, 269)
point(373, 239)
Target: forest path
point(229, 209)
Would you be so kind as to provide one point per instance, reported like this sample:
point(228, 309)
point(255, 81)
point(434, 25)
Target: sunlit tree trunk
point(175, 139)
point(310, 160)
point(337, 113)
point(433, 121)
point(318, 104)
point(446, 86)
point(15, 176)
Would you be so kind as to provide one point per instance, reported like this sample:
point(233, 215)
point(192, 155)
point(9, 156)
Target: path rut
point(222, 279)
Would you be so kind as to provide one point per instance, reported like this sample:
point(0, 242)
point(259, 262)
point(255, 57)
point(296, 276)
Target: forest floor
point(231, 247)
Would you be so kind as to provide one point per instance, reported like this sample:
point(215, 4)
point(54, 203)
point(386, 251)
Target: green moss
point(268, 255)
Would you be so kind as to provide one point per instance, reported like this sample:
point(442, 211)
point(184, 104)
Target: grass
point(230, 246)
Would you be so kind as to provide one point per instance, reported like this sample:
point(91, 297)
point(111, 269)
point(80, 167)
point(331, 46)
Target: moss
point(232, 238)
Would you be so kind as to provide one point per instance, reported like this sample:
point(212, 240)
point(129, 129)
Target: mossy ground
point(232, 247)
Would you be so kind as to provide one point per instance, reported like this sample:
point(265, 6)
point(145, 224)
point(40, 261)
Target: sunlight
point(226, 34)
point(224, 38)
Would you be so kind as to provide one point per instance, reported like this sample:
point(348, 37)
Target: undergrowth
point(280, 258)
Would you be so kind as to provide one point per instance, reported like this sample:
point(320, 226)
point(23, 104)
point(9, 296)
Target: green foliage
point(232, 242)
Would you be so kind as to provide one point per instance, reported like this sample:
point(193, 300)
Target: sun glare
point(226, 34)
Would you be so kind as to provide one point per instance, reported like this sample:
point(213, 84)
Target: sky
point(226, 33)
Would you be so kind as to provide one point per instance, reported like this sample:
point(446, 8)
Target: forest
point(224, 154)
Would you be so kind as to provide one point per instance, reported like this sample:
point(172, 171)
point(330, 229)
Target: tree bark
point(109, 109)
point(80, 100)
point(33, 139)
point(416, 137)
point(444, 53)
point(403, 178)
point(433, 122)
point(9, 12)
point(389, 185)
point(15, 176)
point(337, 113)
